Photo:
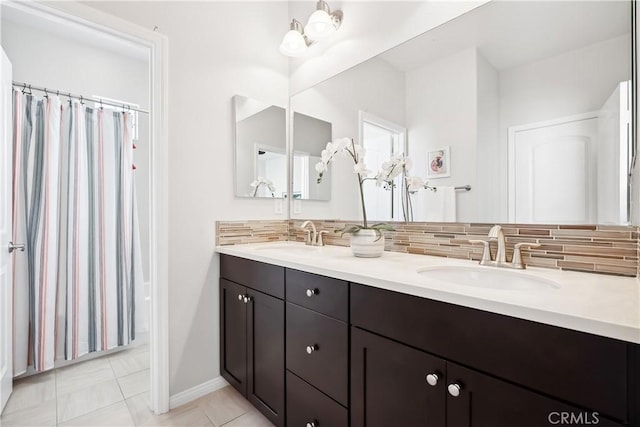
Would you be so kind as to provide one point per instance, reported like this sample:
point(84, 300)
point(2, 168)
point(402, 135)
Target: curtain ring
point(30, 92)
point(46, 93)
point(24, 88)
point(57, 93)
point(101, 106)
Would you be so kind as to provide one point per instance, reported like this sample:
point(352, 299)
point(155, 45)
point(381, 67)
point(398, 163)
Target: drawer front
point(322, 294)
point(584, 369)
point(305, 404)
point(262, 277)
point(327, 340)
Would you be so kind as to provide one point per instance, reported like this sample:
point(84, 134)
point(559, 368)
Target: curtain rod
point(28, 87)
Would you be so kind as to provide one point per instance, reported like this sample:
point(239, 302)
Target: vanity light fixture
point(322, 23)
point(294, 42)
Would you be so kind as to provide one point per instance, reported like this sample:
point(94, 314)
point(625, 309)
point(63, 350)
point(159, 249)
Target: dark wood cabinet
point(265, 355)
point(233, 335)
point(389, 384)
point(479, 400)
point(307, 405)
point(252, 331)
point(318, 351)
point(379, 358)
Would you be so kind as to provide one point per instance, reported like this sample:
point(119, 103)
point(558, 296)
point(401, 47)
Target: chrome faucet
point(314, 237)
point(496, 234)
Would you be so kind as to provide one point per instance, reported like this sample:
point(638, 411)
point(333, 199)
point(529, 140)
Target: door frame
point(79, 15)
point(511, 152)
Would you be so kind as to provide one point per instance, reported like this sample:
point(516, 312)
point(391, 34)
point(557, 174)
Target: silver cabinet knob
point(454, 389)
point(311, 348)
point(312, 292)
point(16, 247)
point(247, 299)
point(240, 297)
point(432, 379)
point(312, 424)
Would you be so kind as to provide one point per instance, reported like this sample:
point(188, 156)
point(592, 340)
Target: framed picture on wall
point(438, 163)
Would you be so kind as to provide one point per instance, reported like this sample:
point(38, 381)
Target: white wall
point(375, 87)
point(43, 58)
point(216, 50)
point(368, 28)
point(441, 108)
point(555, 87)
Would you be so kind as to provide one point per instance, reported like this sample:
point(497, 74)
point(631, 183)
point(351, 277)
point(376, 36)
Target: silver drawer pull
point(312, 424)
point(312, 292)
point(247, 299)
point(432, 379)
point(454, 389)
point(240, 297)
point(312, 348)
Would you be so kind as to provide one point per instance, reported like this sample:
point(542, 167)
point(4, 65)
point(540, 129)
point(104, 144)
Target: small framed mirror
point(260, 149)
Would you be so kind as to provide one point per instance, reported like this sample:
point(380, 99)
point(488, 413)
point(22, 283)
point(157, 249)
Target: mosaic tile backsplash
point(587, 248)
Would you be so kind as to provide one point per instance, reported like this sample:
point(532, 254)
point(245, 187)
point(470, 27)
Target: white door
point(381, 139)
point(552, 171)
point(6, 291)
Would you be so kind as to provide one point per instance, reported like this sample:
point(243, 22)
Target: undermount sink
point(487, 278)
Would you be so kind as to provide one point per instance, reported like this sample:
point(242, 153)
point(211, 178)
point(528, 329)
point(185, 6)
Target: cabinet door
point(233, 335)
point(389, 387)
point(483, 401)
point(265, 355)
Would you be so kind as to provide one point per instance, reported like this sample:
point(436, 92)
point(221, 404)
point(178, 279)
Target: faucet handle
point(486, 253)
point(516, 262)
point(320, 241)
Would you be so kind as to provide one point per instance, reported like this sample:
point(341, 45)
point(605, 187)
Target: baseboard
point(196, 392)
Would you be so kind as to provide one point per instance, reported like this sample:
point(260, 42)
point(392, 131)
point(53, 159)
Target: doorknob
point(16, 247)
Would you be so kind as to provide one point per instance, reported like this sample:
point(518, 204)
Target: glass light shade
point(319, 26)
point(293, 44)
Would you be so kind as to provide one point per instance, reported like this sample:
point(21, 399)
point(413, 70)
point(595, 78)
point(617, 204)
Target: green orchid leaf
point(382, 226)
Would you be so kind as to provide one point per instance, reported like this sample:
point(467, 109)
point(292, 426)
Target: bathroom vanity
point(315, 337)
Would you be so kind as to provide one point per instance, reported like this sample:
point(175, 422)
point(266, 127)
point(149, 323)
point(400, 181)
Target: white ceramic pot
point(367, 244)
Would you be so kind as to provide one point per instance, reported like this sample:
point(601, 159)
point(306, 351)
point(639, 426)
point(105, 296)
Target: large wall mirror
point(525, 103)
point(260, 149)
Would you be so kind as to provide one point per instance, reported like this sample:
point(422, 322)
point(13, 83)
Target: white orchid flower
point(341, 143)
point(414, 183)
point(361, 169)
point(321, 167)
point(325, 155)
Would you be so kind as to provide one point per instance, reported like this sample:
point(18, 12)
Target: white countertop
point(594, 303)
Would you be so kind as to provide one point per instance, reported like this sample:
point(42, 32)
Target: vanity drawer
point(584, 369)
point(305, 404)
point(322, 294)
point(317, 350)
point(266, 278)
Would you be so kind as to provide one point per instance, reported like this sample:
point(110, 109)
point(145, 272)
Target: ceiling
point(512, 33)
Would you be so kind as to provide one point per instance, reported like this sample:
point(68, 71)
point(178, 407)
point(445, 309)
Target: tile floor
point(114, 391)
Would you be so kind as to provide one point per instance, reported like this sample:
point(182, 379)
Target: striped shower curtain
point(73, 205)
